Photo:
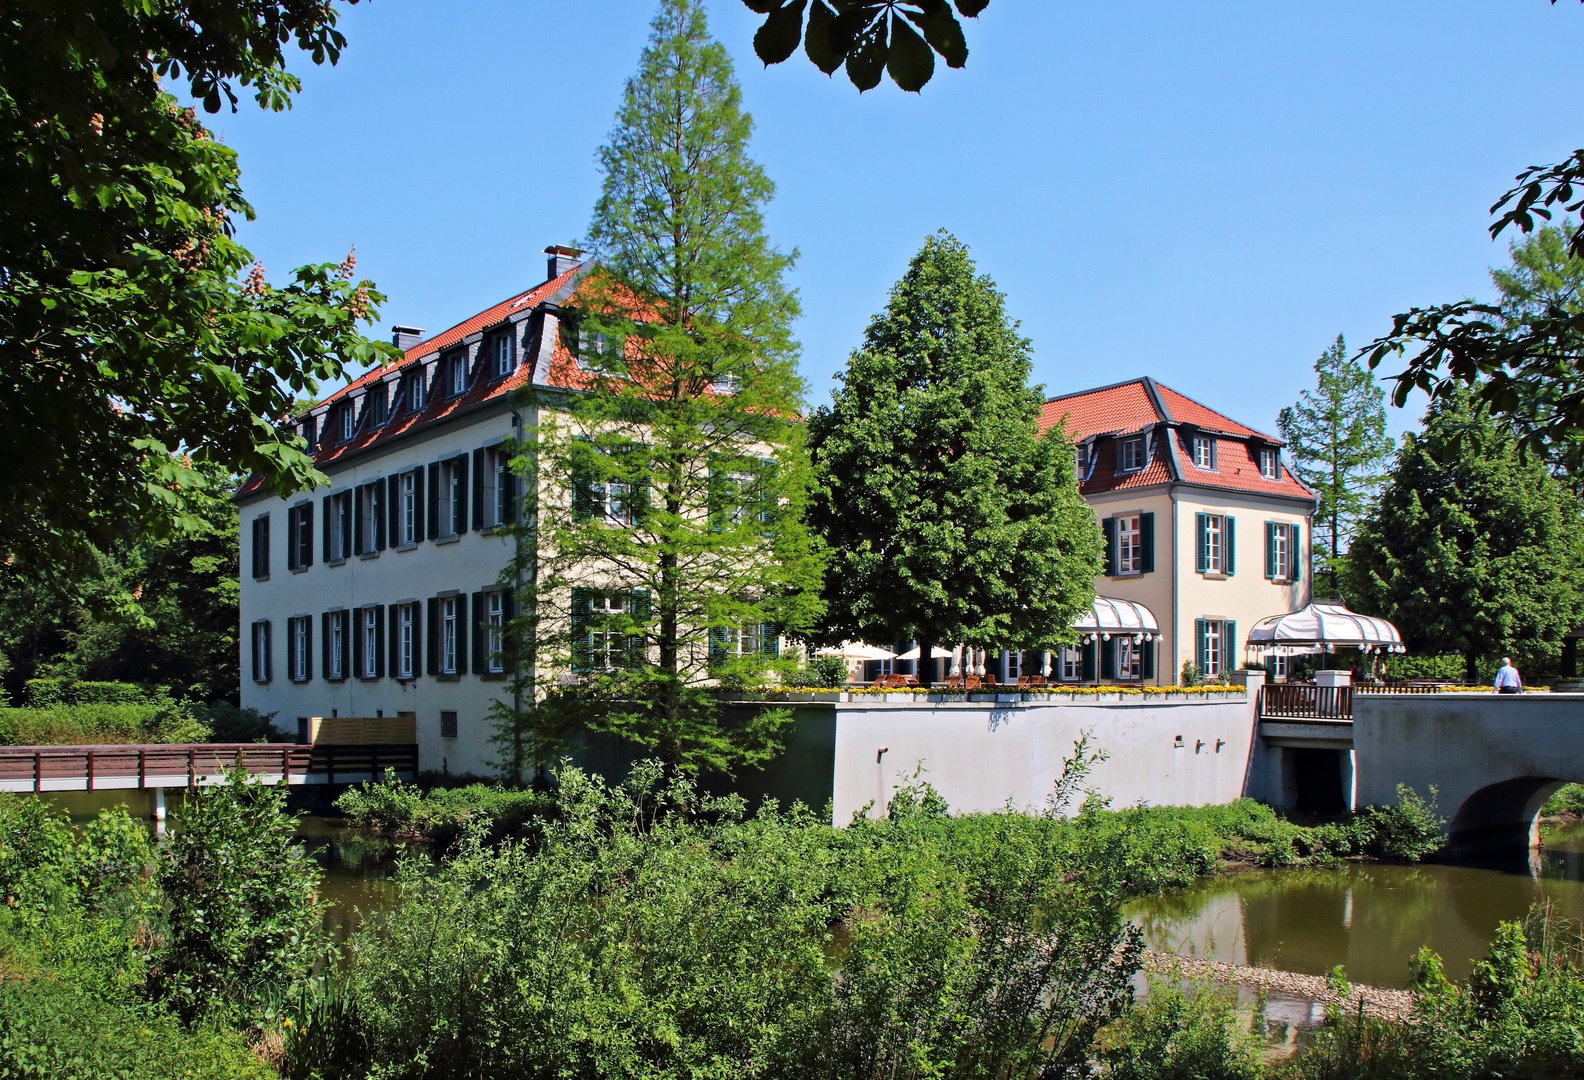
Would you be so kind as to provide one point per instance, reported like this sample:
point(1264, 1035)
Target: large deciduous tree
point(1337, 435)
point(949, 516)
point(670, 536)
point(1472, 548)
point(131, 352)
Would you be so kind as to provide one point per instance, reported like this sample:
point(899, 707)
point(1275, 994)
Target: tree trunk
point(1470, 668)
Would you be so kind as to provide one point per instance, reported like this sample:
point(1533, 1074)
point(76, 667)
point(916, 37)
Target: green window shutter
point(1294, 553)
point(1230, 650)
point(582, 498)
point(718, 501)
point(1108, 659)
point(479, 465)
point(418, 641)
point(1147, 542)
point(769, 640)
point(357, 520)
point(1270, 550)
point(765, 496)
point(393, 644)
point(434, 501)
point(433, 654)
point(324, 644)
point(1199, 645)
point(1229, 545)
point(329, 515)
point(582, 612)
point(379, 641)
point(377, 501)
point(359, 661)
point(638, 607)
point(459, 510)
point(1202, 543)
point(1109, 527)
point(717, 647)
point(1087, 668)
point(1147, 660)
point(480, 636)
point(392, 498)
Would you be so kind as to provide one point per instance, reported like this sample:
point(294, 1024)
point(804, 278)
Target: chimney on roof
point(561, 260)
point(405, 337)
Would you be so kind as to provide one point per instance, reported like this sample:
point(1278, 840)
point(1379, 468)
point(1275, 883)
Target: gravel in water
point(1377, 1001)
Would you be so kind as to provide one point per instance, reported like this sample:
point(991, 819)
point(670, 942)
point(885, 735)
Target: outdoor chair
point(952, 682)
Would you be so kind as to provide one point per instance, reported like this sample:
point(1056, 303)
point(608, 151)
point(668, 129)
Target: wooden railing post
point(142, 767)
point(38, 772)
point(90, 770)
point(192, 767)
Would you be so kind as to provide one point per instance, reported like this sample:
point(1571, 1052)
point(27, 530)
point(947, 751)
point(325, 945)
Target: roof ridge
point(1097, 389)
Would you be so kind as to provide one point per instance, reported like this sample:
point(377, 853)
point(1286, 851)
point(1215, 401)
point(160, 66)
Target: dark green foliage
point(56, 1030)
point(1423, 667)
point(442, 813)
point(650, 931)
point(93, 725)
point(1178, 1034)
point(1568, 799)
point(698, 560)
point(130, 354)
point(242, 920)
point(229, 723)
point(827, 672)
point(949, 516)
point(1472, 548)
point(1337, 436)
point(869, 37)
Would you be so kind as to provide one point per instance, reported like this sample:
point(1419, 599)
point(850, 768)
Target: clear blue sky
point(1207, 194)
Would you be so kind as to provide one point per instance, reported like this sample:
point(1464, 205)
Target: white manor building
point(380, 593)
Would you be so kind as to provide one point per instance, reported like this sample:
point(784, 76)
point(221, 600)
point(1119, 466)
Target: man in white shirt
point(1507, 680)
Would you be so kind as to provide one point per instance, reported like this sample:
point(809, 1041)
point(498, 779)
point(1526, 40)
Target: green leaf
point(971, 8)
point(778, 37)
point(817, 40)
point(762, 7)
point(942, 31)
point(911, 63)
point(866, 63)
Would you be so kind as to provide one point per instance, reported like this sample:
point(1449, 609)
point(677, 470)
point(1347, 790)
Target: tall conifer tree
point(670, 528)
point(950, 518)
point(1337, 435)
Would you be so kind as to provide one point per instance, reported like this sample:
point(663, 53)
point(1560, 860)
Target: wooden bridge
point(39, 769)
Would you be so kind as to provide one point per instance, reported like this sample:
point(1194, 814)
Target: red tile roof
point(437, 406)
point(1101, 415)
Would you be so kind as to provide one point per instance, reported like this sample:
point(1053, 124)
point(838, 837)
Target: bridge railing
point(54, 768)
point(1289, 701)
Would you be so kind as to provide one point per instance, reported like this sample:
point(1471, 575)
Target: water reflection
point(356, 872)
point(1369, 918)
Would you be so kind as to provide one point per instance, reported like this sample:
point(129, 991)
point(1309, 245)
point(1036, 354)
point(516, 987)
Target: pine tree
point(949, 517)
point(1472, 548)
point(1337, 435)
point(672, 547)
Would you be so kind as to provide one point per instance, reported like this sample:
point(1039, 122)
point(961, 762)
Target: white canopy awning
point(935, 650)
point(856, 650)
point(1325, 623)
point(1112, 616)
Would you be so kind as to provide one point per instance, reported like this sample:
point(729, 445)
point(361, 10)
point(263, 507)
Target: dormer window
point(599, 352)
point(1080, 456)
point(415, 390)
point(503, 355)
point(1270, 463)
point(348, 422)
point(1204, 452)
point(1130, 453)
point(458, 374)
point(375, 404)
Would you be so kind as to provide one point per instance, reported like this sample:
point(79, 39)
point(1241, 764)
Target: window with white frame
point(450, 497)
point(370, 507)
point(1012, 664)
point(261, 651)
point(1203, 452)
point(301, 641)
point(1129, 658)
point(338, 524)
point(1212, 647)
point(1130, 545)
point(406, 658)
point(336, 645)
point(407, 512)
point(608, 648)
point(1070, 665)
point(1281, 663)
point(1270, 463)
point(496, 484)
point(374, 403)
point(1131, 454)
point(750, 639)
point(1214, 541)
point(495, 627)
point(599, 351)
point(348, 422)
point(448, 635)
point(369, 629)
point(1281, 553)
point(1078, 459)
point(415, 390)
point(458, 374)
point(503, 355)
point(726, 383)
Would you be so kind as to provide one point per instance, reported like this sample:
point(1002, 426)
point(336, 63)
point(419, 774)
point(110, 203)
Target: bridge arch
point(1501, 818)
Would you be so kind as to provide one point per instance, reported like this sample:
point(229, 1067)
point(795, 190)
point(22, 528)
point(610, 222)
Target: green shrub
point(242, 922)
point(398, 808)
point(1408, 832)
point(822, 672)
point(1190, 676)
point(47, 693)
point(228, 723)
point(1181, 1034)
point(101, 723)
point(1425, 667)
point(64, 1031)
point(1568, 799)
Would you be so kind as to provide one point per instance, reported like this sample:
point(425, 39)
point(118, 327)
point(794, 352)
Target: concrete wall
point(1495, 759)
point(979, 755)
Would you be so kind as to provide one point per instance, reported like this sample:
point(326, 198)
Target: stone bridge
point(1494, 760)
